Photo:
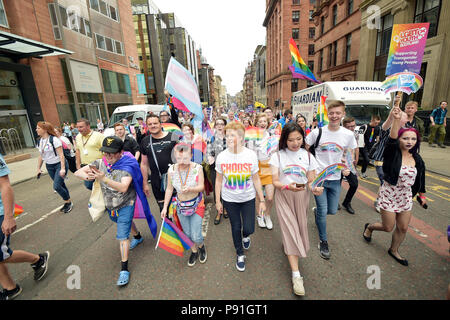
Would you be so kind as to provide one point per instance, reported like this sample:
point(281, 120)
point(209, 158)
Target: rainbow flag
point(322, 114)
point(270, 144)
point(170, 127)
point(276, 128)
point(172, 239)
point(349, 160)
point(17, 210)
point(253, 134)
point(327, 172)
point(299, 69)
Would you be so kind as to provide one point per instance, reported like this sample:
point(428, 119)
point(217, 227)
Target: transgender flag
point(181, 84)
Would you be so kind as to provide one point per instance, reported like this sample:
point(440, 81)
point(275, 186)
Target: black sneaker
point(323, 250)
point(67, 207)
point(193, 259)
point(41, 267)
point(10, 294)
point(202, 254)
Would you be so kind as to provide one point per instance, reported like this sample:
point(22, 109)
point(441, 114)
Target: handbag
point(163, 176)
point(188, 208)
point(96, 204)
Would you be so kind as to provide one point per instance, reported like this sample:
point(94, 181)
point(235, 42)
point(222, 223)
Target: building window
point(311, 14)
point(335, 53)
point(321, 60)
point(109, 45)
point(349, 7)
point(295, 16)
point(118, 46)
point(87, 26)
point(3, 18)
point(312, 1)
point(330, 55)
point(348, 47)
point(311, 49)
point(428, 11)
point(322, 25)
point(295, 33)
point(311, 65)
point(295, 1)
point(105, 9)
point(100, 41)
point(54, 19)
point(384, 35)
point(63, 14)
point(294, 85)
point(312, 33)
point(115, 82)
point(334, 15)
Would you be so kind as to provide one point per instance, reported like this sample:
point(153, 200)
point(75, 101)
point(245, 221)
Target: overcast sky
point(228, 33)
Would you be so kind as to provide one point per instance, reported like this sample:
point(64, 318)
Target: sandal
point(124, 278)
point(217, 221)
point(368, 239)
point(225, 215)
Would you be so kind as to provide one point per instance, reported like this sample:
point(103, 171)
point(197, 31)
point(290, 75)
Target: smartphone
point(424, 205)
point(93, 167)
point(38, 175)
point(300, 185)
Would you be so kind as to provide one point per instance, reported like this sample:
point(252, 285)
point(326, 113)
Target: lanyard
point(84, 143)
point(187, 174)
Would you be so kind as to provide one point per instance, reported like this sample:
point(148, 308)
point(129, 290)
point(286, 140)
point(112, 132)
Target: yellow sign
point(259, 105)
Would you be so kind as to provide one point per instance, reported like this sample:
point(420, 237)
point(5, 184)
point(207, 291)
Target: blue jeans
point(192, 227)
point(327, 203)
point(58, 182)
point(242, 220)
point(380, 174)
point(124, 218)
point(89, 184)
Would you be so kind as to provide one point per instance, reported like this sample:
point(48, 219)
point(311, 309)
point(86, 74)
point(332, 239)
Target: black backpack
point(312, 149)
point(71, 160)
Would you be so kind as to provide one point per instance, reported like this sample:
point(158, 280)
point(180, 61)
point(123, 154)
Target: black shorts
point(5, 250)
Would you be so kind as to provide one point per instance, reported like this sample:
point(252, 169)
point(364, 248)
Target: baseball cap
point(112, 145)
point(139, 118)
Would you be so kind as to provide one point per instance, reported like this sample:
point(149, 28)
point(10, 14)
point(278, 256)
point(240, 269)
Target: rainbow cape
point(327, 172)
point(407, 82)
point(170, 127)
point(299, 69)
point(172, 239)
point(322, 113)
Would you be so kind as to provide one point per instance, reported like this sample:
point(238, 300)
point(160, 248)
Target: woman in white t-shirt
point(293, 170)
point(237, 182)
point(51, 152)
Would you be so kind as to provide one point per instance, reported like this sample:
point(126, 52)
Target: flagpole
point(160, 231)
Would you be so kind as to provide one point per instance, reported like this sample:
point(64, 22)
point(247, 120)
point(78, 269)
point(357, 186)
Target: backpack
point(66, 150)
point(312, 149)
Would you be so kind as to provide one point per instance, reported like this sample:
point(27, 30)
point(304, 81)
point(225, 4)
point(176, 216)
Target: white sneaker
point(269, 224)
point(297, 284)
point(261, 222)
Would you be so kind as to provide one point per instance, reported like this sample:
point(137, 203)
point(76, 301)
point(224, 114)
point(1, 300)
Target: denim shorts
point(124, 218)
point(192, 227)
point(5, 250)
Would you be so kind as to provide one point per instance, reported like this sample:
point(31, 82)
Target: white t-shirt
point(237, 170)
point(294, 165)
point(46, 150)
point(331, 147)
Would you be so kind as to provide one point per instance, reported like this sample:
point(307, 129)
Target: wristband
point(285, 187)
point(422, 197)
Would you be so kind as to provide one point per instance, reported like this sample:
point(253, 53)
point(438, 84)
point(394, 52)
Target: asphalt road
point(74, 240)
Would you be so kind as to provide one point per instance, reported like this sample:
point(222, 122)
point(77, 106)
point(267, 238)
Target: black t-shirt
point(130, 145)
point(163, 152)
point(368, 143)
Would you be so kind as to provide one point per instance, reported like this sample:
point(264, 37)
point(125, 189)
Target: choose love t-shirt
point(331, 147)
point(237, 170)
point(294, 165)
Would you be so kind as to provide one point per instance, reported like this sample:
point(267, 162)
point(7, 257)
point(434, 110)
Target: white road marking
point(38, 220)
point(420, 233)
point(21, 215)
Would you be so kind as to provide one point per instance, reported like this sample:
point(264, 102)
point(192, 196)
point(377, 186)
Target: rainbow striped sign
point(172, 239)
point(253, 134)
point(407, 82)
point(327, 172)
point(170, 127)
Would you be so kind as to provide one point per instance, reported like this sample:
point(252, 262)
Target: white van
point(362, 99)
point(130, 113)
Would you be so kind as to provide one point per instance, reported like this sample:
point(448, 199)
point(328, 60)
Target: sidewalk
point(436, 161)
point(25, 170)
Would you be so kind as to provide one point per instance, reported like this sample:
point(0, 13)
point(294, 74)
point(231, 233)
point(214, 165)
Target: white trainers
point(269, 224)
point(297, 284)
point(261, 222)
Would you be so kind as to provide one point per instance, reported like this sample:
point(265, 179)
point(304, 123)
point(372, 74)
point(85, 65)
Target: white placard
point(85, 77)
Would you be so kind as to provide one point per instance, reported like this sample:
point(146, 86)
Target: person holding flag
point(328, 143)
point(274, 126)
point(187, 178)
point(121, 183)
